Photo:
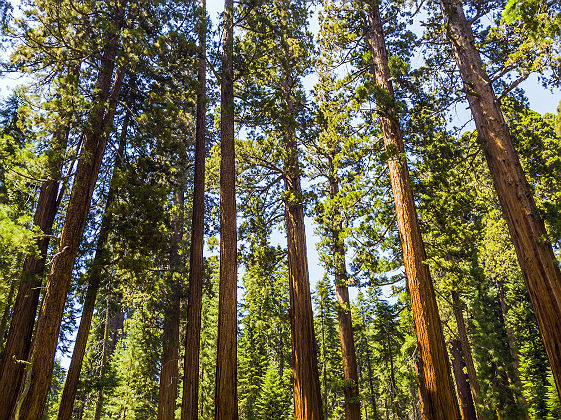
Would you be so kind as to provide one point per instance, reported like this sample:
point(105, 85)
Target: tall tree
point(189, 407)
point(226, 362)
point(527, 230)
point(440, 401)
point(31, 402)
point(94, 282)
point(24, 311)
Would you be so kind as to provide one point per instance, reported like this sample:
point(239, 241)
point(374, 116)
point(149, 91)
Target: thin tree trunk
point(170, 369)
point(466, 349)
point(169, 374)
point(94, 280)
point(195, 293)
point(104, 352)
point(6, 313)
point(350, 370)
point(509, 332)
point(464, 393)
point(226, 363)
point(24, 311)
point(31, 403)
point(441, 400)
point(527, 230)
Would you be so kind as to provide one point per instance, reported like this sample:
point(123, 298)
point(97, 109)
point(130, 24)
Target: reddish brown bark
point(226, 406)
point(24, 311)
point(306, 387)
point(440, 402)
point(195, 294)
point(31, 403)
point(464, 393)
point(169, 373)
point(94, 281)
point(466, 348)
point(348, 352)
point(527, 230)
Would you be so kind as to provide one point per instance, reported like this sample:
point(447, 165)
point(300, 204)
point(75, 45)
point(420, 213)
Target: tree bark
point(441, 400)
point(306, 386)
point(31, 403)
point(195, 293)
point(464, 394)
point(169, 374)
point(24, 311)
point(226, 406)
point(104, 354)
point(94, 281)
point(170, 357)
point(527, 230)
point(6, 312)
point(348, 352)
point(466, 349)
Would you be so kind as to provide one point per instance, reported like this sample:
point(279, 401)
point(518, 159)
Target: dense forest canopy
point(290, 209)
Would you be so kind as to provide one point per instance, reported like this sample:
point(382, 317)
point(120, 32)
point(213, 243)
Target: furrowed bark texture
point(527, 230)
point(226, 364)
point(348, 352)
point(440, 400)
point(27, 299)
point(169, 374)
point(94, 281)
point(170, 357)
point(31, 403)
point(195, 295)
point(466, 348)
point(306, 387)
point(464, 393)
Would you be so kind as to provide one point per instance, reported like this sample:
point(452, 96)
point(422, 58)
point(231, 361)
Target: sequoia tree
point(533, 248)
point(440, 399)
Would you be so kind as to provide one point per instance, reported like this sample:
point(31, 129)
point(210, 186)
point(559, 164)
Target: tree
point(535, 254)
point(226, 364)
point(440, 401)
point(189, 407)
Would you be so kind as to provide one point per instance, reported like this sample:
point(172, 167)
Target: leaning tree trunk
point(94, 281)
point(466, 349)
point(27, 299)
point(464, 393)
point(169, 374)
point(31, 403)
point(527, 230)
point(440, 400)
point(226, 363)
point(348, 352)
point(195, 293)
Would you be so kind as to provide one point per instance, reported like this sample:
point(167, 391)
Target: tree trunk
point(527, 230)
point(195, 293)
point(348, 353)
point(466, 349)
point(24, 311)
point(464, 394)
point(226, 363)
point(6, 313)
point(170, 357)
point(306, 387)
point(169, 374)
point(441, 400)
point(104, 352)
point(31, 403)
point(94, 280)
